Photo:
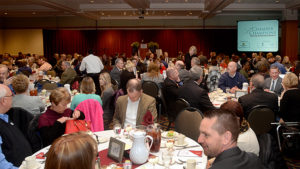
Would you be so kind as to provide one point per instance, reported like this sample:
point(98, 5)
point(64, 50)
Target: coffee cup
point(180, 139)
point(190, 163)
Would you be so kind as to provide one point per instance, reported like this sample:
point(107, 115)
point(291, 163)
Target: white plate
point(181, 145)
point(165, 135)
point(102, 139)
point(160, 162)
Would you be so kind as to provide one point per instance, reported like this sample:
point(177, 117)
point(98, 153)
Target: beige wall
point(22, 40)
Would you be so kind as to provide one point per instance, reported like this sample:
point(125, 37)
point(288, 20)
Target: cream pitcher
point(139, 152)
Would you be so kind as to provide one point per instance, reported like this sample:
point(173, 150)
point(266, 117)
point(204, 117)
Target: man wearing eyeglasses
point(4, 76)
point(14, 147)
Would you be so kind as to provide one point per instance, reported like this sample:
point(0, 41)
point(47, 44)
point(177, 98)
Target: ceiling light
point(169, 13)
point(5, 13)
point(186, 0)
point(33, 13)
point(191, 13)
point(111, 1)
point(92, 1)
point(102, 13)
point(277, 1)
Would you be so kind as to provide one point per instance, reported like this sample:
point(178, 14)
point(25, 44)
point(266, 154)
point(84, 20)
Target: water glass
point(117, 130)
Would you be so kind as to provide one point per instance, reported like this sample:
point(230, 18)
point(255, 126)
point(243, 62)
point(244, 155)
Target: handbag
point(73, 126)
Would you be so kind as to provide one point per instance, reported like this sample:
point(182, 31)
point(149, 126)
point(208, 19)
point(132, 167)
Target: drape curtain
point(118, 41)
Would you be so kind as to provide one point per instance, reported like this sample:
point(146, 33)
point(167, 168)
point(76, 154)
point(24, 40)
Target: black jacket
point(170, 91)
point(234, 158)
point(289, 106)
point(195, 96)
point(259, 97)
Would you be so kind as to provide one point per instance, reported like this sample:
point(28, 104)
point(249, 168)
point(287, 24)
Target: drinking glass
point(227, 90)
point(154, 131)
point(167, 158)
point(153, 160)
point(117, 130)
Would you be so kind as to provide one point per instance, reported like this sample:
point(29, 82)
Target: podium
point(143, 50)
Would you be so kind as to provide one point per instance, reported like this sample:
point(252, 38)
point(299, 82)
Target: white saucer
point(181, 145)
point(165, 135)
point(160, 162)
point(103, 139)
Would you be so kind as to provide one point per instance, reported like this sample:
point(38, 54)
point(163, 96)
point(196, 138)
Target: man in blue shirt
point(279, 65)
point(231, 79)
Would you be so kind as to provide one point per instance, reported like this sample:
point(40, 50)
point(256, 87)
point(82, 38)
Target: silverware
point(184, 147)
point(185, 161)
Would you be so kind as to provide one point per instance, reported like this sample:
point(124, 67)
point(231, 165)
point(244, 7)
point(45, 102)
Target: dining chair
point(260, 119)
point(179, 105)
point(188, 121)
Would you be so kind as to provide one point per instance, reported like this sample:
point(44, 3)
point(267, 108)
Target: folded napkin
point(198, 153)
point(40, 155)
point(190, 153)
point(147, 119)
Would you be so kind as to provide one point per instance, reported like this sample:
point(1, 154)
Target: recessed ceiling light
point(110, 1)
point(92, 1)
point(191, 13)
point(5, 13)
point(277, 1)
point(33, 13)
point(186, 0)
point(102, 13)
point(169, 13)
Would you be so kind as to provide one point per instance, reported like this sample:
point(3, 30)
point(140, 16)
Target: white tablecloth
point(201, 161)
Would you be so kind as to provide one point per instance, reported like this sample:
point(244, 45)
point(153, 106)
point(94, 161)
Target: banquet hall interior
point(49, 41)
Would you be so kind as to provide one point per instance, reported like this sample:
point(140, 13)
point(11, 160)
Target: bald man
point(184, 75)
point(231, 79)
point(14, 147)
point(131, 108)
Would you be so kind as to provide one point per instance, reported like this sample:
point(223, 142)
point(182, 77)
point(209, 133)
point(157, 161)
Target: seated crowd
point(114, 94)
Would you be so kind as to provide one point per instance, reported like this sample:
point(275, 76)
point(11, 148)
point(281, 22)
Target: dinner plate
point(165, 135)
point(181, 145)
point(103, 139)
point(161, 162)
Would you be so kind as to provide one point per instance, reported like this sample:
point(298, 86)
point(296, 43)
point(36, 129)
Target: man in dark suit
point(117, 70)
point(258, 96)
point(273, 83)
point(184, 75)
point(193, 94)
point(171, 87)
point(219, 131)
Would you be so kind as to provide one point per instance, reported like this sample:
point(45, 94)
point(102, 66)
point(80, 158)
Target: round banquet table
point(180, 154)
